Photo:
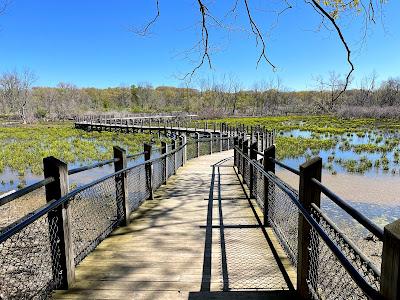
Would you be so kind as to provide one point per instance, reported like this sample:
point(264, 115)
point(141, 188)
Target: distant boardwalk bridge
point(203, 217)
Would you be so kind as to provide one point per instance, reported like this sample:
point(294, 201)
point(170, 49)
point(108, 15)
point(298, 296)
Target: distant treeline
point(19, 98)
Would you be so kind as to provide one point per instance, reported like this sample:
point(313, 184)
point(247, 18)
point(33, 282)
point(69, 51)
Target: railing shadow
point(227, 293)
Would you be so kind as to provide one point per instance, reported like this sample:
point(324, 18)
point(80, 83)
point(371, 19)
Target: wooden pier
point(199, 238)
point(205, 218)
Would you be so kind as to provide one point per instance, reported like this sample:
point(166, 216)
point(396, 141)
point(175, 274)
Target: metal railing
point(40, 250)
point(329, 264)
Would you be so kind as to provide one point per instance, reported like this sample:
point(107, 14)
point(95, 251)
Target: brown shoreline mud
point(357, 188)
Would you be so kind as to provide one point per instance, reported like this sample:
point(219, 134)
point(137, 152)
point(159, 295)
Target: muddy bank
point(356, 188)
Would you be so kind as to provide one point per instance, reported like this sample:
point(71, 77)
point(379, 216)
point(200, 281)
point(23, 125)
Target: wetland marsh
point(361, 159)
point(23, 148)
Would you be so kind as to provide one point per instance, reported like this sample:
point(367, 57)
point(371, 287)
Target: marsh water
point(363, 168)
point(10, 180)
point(372, 187)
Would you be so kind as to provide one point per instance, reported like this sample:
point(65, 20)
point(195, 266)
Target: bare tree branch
point(256, 31)
point(145, 30)
point(204, 40)
point(339, 32)
point(3, 5)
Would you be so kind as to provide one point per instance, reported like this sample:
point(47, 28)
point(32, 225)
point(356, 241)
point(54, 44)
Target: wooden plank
point(160, 254)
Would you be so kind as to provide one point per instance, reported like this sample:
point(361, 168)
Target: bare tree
point(234, 89)
point(330, 90)
point(367, 87)
point(330, 12)
point(144, 93)
point(15, 89)
point(389, 92)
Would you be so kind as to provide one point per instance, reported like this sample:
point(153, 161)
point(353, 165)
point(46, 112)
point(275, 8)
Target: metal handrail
point(32, 217)
point(25, 190)
point(363, 220)
point(357, 277)
point(279, 163)
point(297, 172)
point(347, 240)
point(258, 152)
point(101, 163)
point(96, 165)
point(44, 182)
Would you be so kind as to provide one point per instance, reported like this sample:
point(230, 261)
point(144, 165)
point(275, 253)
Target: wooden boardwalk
point(177, 129)
point(200, 238)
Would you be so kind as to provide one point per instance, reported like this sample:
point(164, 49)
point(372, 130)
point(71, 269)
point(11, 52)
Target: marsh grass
point(24, 147)
point(353, 143)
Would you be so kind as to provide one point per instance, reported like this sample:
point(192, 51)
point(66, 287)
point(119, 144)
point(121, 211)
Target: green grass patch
point(24, 147)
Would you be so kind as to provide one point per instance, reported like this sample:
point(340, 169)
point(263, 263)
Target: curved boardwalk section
point(200, 238)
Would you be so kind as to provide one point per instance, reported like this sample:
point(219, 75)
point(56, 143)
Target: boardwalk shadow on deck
point(159, 256)
point(226, 293)
point(243, 295)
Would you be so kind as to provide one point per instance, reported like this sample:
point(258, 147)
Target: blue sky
point(89, 43)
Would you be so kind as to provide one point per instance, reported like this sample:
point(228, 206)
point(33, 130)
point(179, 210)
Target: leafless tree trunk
point(15, 89)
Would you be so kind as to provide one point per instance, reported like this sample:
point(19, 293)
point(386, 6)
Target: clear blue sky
point(88, 43)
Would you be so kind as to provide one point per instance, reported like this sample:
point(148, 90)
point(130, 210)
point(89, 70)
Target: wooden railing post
point(211, 143)
point(269, 166)
point(308, 193)
point(149, 168)
point(60, 218)
point(120, 185)
point(164, 149)
point(240, 145)
point(253, 155)
point(235, 143)
point(175, 146)
point(245, 149)
point(262, 138)
point(184, 150)
point(390, 269)
point(197, 139)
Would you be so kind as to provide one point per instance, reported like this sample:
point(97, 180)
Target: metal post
point(220, 141)
point(149, 168)
point(120, 185)
point(269, 166)
point(390, 269)
point(308, 193)
point(60, 219)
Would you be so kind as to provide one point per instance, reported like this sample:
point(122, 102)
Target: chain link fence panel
point(216, 144)
point(158, 173)
point(327, 278)
point(29, 261)
point(191, 149)
point(283, 217)
point(205, 147)
point(137, 186)
point(95, 212)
